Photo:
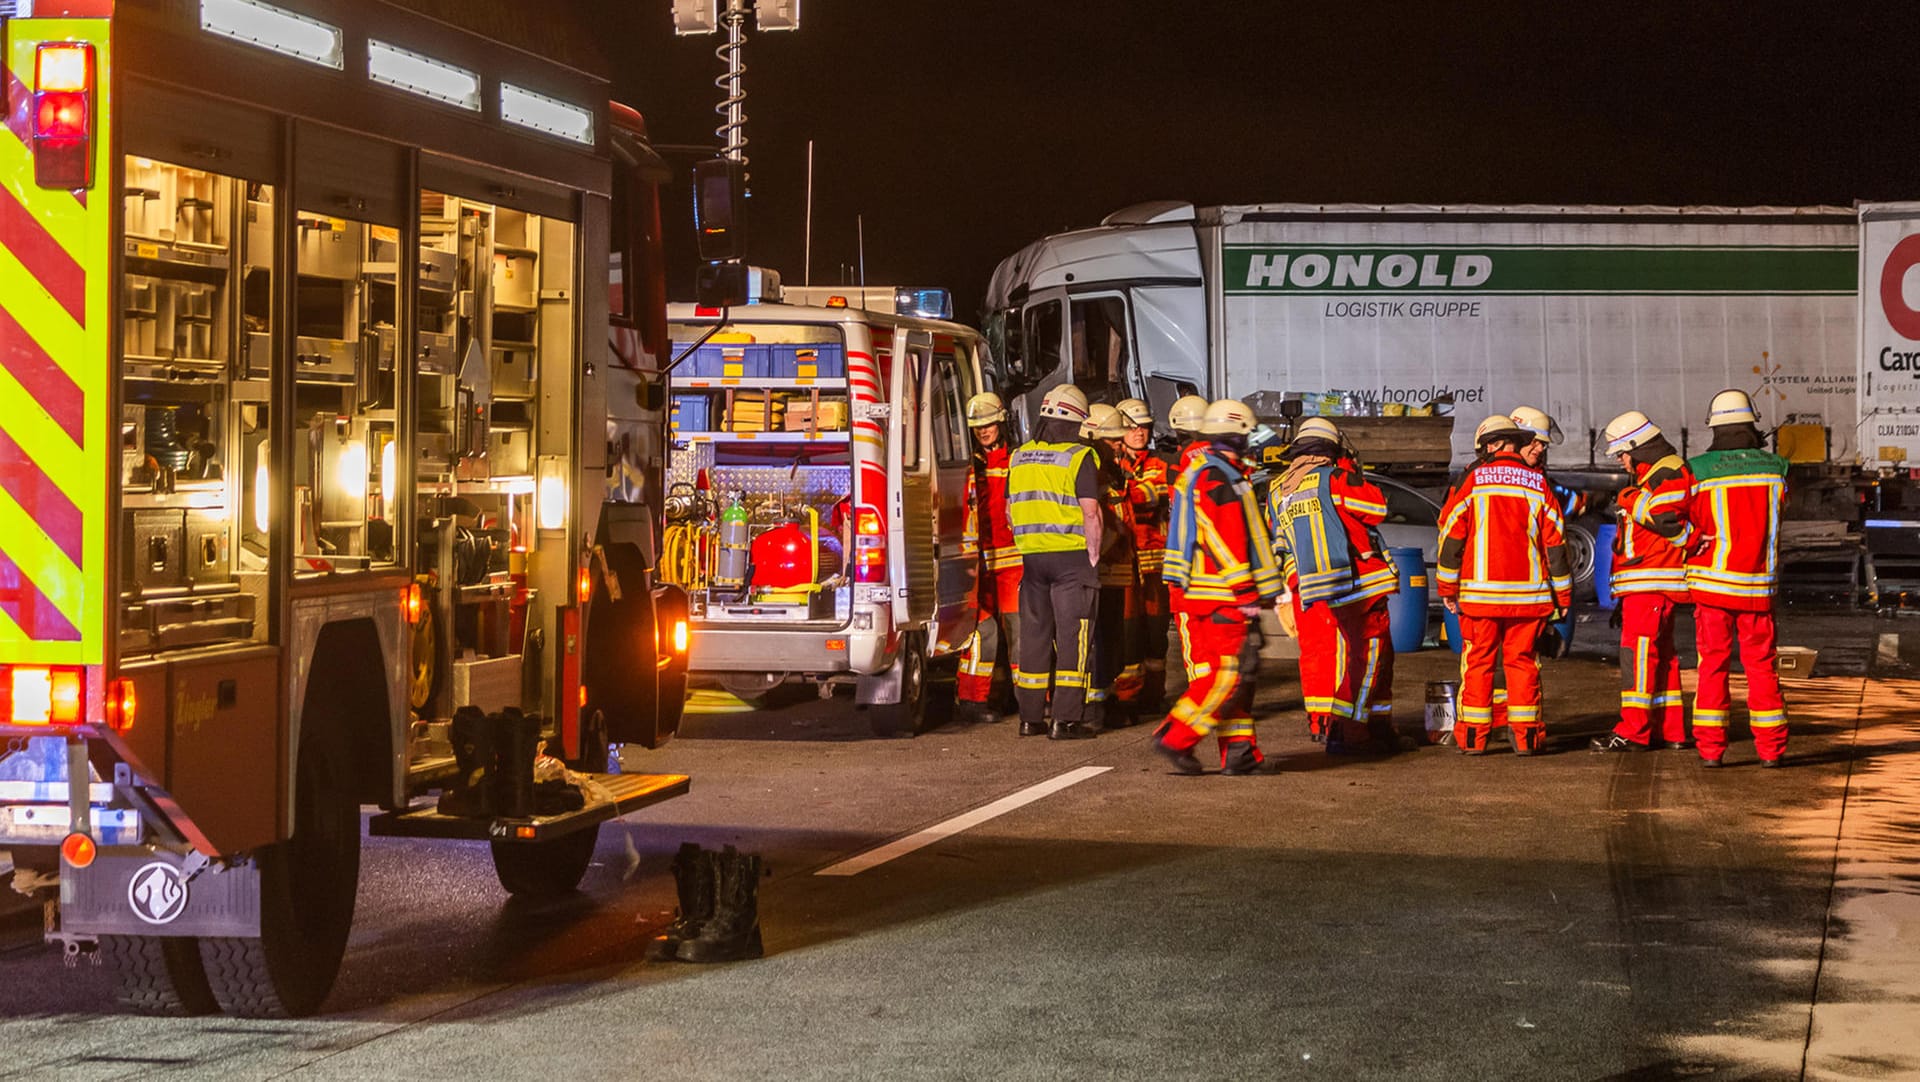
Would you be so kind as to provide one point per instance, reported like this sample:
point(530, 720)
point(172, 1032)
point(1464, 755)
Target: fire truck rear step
point(609, 796)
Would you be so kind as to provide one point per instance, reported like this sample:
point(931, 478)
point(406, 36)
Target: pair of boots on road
point(719, 918)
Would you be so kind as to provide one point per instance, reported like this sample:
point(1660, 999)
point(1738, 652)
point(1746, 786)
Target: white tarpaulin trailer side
point(1583, 311)
point(1890, 332)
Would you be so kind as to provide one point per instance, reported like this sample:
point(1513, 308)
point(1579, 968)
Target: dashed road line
point(900, 847)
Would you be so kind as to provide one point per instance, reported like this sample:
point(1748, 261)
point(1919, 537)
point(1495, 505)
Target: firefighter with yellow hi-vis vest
point(1220, 572)
point(988, 535)
point(1053, 500)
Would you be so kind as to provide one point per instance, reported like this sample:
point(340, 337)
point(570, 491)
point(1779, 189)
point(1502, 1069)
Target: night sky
point(964, 129)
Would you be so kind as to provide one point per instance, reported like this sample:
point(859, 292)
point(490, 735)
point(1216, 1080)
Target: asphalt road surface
point(1423, 916)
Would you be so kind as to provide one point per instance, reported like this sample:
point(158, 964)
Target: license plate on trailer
point(48, 823)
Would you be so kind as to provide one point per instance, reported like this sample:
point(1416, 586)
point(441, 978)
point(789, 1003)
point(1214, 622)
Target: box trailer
point(1390, 310)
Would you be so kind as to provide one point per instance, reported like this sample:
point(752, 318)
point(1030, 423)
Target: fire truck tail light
point(120, 705)
point(679, 636)
point(869, 547)
point(38, 695)
point(63, 115)
point(63, 65)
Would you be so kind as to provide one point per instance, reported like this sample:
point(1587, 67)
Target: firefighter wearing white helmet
point(1740, 490)
point(1504, 570)
point(1114, 665)
point(1220, 572)
point(1148, 478)
point(988, 536)
point(1649, 583)
point(1053, 501)
point(1323, 512)
point(1544, 430)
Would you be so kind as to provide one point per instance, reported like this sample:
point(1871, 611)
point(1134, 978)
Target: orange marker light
point(525, 832)
point(584, 588)
point(415, 603)
point(120, 705)
point(836, 301)
point(78, 850)
point(679, 636)
point(66, 698)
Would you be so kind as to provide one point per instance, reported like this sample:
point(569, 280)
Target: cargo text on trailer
point(329, 473)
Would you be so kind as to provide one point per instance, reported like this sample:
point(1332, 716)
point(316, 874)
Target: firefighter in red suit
point(1503, 568)
point(1322, 513)
point(1739, 491)
point(989, 536)
point(1220, 572)
point(1649, 584)
point(1147, 483)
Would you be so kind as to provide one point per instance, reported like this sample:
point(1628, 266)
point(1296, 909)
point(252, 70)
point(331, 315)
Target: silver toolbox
point(437, 269)
point(324, 358)
point(513, 373)
point(510, 453)
point(435, 354)
point(434, 453)
point(207, 557)
point(329, 248)
point(259, 354)
point(175, 622)
point(156, 557)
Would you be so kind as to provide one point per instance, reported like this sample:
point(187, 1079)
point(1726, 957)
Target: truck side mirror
point(720, 210)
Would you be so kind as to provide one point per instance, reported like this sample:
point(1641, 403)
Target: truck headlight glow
point(265, 26)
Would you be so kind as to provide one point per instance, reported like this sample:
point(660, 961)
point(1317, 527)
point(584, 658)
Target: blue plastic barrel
point(1407, 610)
point(1603, 565)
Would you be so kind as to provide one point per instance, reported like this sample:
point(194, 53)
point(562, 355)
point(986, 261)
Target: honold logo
point(1367, 270)
point(1901, 315)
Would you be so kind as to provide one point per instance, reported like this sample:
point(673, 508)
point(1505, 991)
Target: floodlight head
point(696, 17)
point(777, 14)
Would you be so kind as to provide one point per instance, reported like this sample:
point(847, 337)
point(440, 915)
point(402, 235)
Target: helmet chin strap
point(1232, 441)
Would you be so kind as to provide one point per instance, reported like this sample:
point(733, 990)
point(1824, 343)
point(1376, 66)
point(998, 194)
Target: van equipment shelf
point(609, 796)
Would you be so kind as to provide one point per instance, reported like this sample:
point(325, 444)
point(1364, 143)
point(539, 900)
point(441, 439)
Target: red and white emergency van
point(815, 497)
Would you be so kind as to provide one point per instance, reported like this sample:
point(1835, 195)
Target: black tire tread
point(237, 971)
point(157, 975)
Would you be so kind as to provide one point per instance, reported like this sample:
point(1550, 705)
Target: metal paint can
point(1443, 699)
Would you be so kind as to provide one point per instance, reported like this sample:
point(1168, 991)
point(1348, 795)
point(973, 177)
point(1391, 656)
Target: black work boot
point(1033, 728)
point(733, 931)
point(471, 794)
point(516, 743)
point(1241, 759)
point(1183, 759)
point(693, 880)
point(1070, 730)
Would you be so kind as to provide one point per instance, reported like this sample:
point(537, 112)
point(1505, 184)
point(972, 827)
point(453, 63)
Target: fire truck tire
point(546, 869)
point(307, 888)
point(908, 717)
point(158, 974)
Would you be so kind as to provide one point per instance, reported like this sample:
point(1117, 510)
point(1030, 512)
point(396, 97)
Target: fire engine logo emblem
point(157, 893)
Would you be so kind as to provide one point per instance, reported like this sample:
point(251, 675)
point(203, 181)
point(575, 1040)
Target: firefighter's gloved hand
point(1617, 617)
point(1251, 612)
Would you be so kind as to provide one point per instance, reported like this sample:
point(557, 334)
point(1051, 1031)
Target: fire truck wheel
point(307, 887)
point(545, 869)
point(158, 974)
point(908, 717)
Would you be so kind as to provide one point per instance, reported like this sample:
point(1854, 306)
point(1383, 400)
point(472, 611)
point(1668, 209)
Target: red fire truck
point(330, 428)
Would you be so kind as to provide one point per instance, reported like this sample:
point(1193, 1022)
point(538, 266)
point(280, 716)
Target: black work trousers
point(1059, 595)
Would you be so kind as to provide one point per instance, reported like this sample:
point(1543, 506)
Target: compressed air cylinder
point(730, 573)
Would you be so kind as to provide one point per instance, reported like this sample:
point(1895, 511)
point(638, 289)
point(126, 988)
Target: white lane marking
point(900, 847)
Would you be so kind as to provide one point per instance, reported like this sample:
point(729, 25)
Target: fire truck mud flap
point(160, 894)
